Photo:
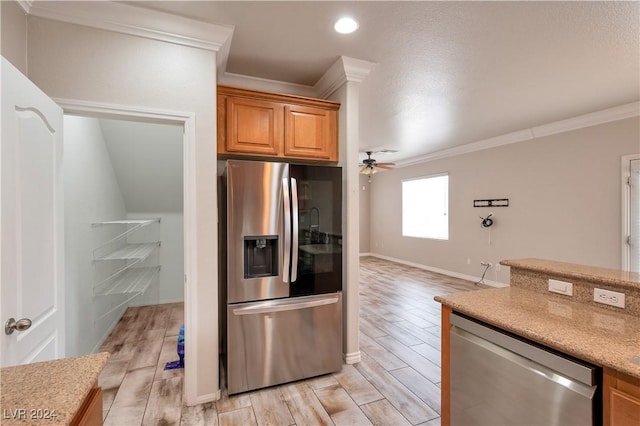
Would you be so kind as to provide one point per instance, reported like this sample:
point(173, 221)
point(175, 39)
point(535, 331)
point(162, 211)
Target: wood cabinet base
point(620, 392)
point(620, 398)
point(90, 413)
point(445, 380)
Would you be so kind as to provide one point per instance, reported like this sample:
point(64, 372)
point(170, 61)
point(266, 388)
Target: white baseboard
point(157, 302)
point(440, 271)
point(165, 301)
point(203, 399)
point(352, 357)
point(366, 254)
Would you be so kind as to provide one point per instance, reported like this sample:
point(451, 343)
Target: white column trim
point(345, 75)
point(343, 70)
point(352, 357)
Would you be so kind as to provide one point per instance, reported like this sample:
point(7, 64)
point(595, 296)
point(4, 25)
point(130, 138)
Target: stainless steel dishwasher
point(499, 379)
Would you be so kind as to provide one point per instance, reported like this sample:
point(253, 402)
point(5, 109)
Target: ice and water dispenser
point(261, 256)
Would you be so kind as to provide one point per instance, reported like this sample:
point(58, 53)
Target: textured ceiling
point(449, 73)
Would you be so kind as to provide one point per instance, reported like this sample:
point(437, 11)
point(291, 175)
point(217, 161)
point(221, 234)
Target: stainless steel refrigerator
point(283, 248)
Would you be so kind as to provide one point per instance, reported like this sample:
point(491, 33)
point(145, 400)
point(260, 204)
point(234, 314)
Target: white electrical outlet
point(608, 297)
point(561, 287)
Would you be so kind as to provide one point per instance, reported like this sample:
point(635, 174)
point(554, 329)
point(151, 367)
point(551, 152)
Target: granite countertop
point(49, 392)
point(595, 274)
point(593, 334)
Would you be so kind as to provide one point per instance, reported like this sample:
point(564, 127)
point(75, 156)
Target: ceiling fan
point(370, 166)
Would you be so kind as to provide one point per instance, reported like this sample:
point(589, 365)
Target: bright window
point(425, 207)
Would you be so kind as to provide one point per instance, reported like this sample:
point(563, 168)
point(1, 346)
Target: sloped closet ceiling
point(147, 159)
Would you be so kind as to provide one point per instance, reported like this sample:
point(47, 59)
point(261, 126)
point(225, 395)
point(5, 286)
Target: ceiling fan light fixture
point(345, 25)
point(367, 170)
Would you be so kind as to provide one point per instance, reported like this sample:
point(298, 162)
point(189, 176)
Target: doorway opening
point(124, 221)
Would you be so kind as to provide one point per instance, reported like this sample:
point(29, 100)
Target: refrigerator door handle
point(267, 308)
point(287, 230)
point(294, 248)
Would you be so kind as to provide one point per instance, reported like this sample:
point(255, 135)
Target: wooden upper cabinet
point(310, 133)
point(254, 126)
point(258, 124)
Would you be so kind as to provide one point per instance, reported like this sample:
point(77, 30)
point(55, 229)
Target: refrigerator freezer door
point(254, 226)
point(317, 208)
point(278, 341)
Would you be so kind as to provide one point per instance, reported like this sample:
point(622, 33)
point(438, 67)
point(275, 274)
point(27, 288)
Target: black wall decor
point(496, 202)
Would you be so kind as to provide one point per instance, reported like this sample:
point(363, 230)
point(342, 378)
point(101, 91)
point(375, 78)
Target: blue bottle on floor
point(180, 363)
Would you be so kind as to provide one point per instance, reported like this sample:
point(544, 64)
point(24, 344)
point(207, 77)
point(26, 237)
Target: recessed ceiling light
point(345, 25)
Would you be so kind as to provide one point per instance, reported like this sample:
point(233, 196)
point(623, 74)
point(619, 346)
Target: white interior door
point(32, 222)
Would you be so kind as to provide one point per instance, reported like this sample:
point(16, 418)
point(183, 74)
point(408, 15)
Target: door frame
point(625, 207)
point(187, 120)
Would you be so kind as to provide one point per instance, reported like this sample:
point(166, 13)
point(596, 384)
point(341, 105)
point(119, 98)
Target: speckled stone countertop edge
point(69, 379)
point(621, 364)
point(612, 277)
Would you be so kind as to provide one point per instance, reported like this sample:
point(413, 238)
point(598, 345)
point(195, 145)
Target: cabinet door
point(625, 409)
point(310, 133)
point(621, 399)
point(254, 126)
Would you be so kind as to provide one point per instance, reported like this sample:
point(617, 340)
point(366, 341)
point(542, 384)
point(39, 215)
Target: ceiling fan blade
point(384, 166)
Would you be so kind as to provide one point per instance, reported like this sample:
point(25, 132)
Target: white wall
point(13, 32)
point(565, 203)
point(365, 190)
point(91, 195)
point(82, 63)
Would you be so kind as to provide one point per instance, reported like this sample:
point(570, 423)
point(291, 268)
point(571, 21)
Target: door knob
point(12, 325)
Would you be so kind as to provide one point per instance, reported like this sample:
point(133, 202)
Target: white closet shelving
point(129, 273)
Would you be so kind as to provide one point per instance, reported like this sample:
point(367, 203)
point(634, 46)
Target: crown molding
point(620, 112)
point(137, 21)
point(497, 141)
point(265, 85)
point(343, 70)
point(592, 119)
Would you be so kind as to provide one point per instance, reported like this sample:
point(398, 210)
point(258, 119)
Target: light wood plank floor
point(396, 383)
